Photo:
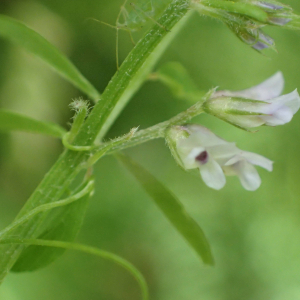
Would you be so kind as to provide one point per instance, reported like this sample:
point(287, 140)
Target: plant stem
point(123, 85)
point(154, 132)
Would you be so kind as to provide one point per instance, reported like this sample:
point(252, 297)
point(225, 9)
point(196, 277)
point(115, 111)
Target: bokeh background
point(255, 236)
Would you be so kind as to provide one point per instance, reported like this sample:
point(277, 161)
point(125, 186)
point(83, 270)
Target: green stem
point(154, 132)
point(89, 250)
point(123, 85)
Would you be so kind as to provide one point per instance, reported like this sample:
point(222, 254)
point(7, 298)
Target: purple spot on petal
point(202, 157)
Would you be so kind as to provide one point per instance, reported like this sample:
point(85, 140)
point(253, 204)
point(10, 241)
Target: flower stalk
point(154, 132)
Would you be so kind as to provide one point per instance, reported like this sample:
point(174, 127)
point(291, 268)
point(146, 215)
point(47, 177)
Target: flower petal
point(212, 174)
point(223, 153)
point(291, 100)
point(280, 117)
point(258, 160)
point(247, 174)
point(266, 90)
point(203, 136)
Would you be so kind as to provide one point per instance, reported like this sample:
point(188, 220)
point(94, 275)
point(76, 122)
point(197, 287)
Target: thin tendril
point(89, 250)
point(42, 208)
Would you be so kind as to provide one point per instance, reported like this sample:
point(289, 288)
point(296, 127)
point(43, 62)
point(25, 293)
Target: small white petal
point(233, 160)
point(258, 160)
point(222, 153)
point(293, 101)
point(281, 116)
point(212, 174)
point(247, 174)
point(266, 90)
point(203, 136)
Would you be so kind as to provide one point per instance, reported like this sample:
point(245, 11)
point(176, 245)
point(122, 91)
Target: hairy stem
point(153, 132)
point(123, 85)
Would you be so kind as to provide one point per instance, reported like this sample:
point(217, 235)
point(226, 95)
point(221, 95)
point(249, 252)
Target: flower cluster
point(215, 157)
point(196, 147)
point(246, 18)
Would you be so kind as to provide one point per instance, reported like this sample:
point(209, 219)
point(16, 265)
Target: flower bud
point(259, 105)
point(246, 18)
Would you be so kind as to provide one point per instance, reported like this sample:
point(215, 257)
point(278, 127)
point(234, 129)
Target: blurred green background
point(255, 236)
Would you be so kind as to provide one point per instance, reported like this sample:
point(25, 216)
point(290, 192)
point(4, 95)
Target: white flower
point(215, 158)
point(259, 105)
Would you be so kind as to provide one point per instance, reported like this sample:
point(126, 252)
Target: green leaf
point(178, 80)
point(22, 35)
point(13, 121)
point(172, 209)
point(62, 224)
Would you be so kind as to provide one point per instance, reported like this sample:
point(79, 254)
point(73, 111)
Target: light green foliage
point(226, 216)
point(131, 75)
point(11, 121)
point(23, 36)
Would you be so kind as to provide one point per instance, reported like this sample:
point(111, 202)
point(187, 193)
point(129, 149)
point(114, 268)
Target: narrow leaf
point(62, 224)
point(172, 209)
point(179, 81)
point(22, 35)
point(13, 121)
